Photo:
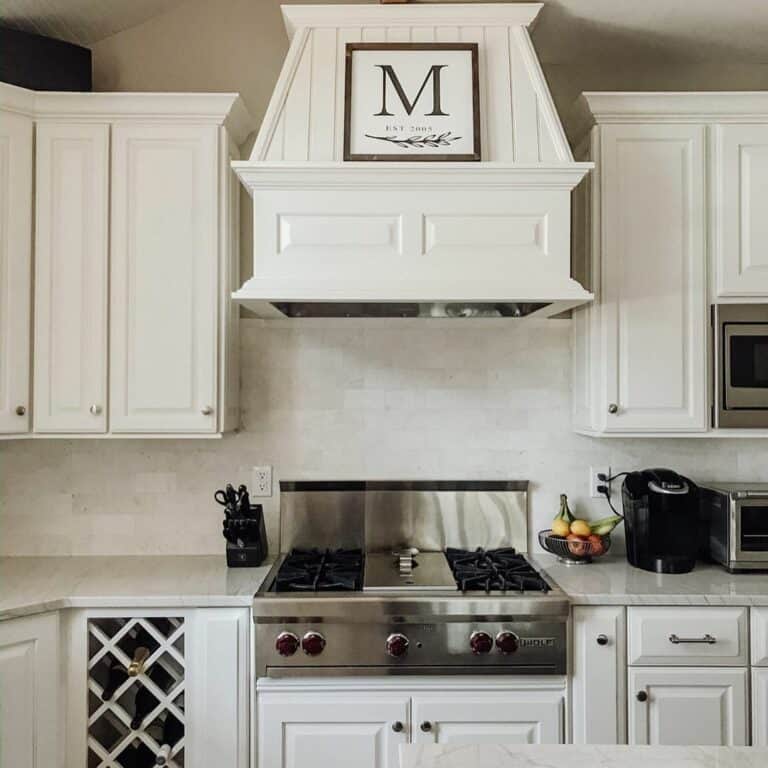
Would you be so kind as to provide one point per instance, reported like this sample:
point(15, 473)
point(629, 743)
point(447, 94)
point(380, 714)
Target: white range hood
point(336, 238)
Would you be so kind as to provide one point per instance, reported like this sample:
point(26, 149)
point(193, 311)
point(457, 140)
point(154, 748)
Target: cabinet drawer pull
point(613, 408)
point(20, 410)
point(397, 726)
point(426, 726)
point(602, 639)
point(707, 639)
point(642, 696)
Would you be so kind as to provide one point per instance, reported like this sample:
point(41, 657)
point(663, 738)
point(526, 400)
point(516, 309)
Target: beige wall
point(239, 45)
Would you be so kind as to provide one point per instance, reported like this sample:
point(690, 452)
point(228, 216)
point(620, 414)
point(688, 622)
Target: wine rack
point(140, 662)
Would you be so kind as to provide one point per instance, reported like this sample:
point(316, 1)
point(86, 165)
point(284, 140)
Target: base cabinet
point(361, 724)
point(760, 707)
point(305, 730)
point(488, 718)
point(29, 687)
point(598, 675)
point(688, 706)
point(187, 701)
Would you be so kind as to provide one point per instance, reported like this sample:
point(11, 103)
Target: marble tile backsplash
point(339, 400)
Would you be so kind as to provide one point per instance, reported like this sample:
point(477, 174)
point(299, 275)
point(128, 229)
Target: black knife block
point(254, 549)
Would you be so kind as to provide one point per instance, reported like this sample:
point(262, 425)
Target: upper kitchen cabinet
point(740, 187)
point(136, 257)
point(673, 218)
point(16, 128)
point(164, 279)
point(71, 261)
point(640, 350)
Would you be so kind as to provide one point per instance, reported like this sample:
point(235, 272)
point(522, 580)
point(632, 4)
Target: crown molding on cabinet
point(221, 108)
point(625, 107)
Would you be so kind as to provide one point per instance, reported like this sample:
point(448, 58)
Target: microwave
point(740, 336)
point(737, 518)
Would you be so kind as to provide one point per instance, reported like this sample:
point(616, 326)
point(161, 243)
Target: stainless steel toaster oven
point(737, 515)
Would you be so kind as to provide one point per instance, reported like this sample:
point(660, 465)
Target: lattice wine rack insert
point(136, 692)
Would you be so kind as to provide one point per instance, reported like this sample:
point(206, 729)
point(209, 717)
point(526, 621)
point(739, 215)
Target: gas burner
point(315, 570)
point(494, 570)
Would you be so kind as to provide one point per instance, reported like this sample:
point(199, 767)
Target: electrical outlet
point(262, 481)
point(594, 481)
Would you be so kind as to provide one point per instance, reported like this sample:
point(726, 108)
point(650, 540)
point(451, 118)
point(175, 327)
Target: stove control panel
point(313, 643)
point(480, 643)
point(397, 645)
point(320, 647)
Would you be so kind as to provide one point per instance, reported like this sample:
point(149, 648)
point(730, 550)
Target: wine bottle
point(117, 676)
point(145, 700)
point(173, 731)
point(137, 756)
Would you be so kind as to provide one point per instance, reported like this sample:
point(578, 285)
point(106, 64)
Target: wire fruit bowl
point(573, 552)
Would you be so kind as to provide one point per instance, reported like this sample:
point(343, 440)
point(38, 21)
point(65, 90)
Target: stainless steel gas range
point(407, 578)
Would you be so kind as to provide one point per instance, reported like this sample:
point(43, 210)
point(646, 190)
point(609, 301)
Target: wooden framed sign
point(411, 101)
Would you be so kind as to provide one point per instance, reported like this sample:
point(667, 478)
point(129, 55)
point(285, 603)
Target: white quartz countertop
point(613, 581)
point(35, 584)
point(569, 756)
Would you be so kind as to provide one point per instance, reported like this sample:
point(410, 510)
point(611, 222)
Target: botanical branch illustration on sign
point(418, 142)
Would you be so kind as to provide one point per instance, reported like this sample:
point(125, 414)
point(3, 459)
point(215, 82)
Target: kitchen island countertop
point(570, 756)
point(613, 581)
point(35, 584)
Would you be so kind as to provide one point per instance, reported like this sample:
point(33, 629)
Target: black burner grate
point(315, 570)
point(494, 570)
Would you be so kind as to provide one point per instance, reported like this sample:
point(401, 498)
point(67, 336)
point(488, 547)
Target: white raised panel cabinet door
point(217, 688)
point(741, 223)
point(15, 270)
point(688, 706)
point(71, 250)
point(653, 280)
point(760, 707)
point(339, 729)
point(598, 675)
point(489, 717)
point(164, 278)
point(29, 690)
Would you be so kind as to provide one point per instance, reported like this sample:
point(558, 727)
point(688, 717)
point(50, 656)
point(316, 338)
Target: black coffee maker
point(661, 520)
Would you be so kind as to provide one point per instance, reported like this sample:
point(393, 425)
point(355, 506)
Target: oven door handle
point(707, 639)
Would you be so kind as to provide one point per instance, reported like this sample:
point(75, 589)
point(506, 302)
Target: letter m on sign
point(388, 75)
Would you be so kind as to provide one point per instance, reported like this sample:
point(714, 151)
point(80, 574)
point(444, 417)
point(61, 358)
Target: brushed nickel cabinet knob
point(613, 408)
point(95, 409)
point(20, 410)
point(207, 411)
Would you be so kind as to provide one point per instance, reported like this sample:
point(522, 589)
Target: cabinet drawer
point(687, 636)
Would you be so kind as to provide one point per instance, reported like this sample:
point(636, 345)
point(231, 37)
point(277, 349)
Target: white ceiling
point(568, 30)
point(80, 21)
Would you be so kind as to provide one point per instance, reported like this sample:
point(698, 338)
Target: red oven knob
point(397, 645)
point(480, 642)
point(507, 642)
point(313, 643)
point(287, 644)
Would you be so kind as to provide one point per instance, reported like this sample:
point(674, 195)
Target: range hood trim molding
point(296, 17)
point(311, 175)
